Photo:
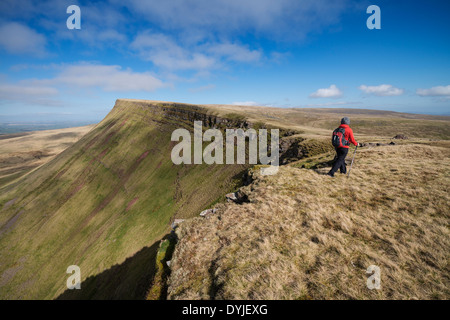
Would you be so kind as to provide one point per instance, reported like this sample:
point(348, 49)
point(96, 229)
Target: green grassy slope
point(109, 197)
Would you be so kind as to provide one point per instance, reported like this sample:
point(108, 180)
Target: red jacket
point(348, 135)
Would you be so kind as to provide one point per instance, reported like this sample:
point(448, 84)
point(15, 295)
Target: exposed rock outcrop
point(208, 212)
point(238, 197)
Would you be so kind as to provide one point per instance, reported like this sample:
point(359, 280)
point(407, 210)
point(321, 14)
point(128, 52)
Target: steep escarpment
point(105, 202)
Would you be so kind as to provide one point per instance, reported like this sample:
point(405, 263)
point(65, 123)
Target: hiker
point(341, 139)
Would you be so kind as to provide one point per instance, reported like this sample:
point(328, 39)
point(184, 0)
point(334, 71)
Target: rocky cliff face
point(291, 147)
point(186, 113)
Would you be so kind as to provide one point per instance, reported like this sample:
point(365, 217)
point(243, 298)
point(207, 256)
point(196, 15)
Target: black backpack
point(338, 139)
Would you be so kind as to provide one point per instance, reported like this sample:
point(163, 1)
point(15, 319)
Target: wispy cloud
point(106, 77)
point(246, 103)
point(234, 52)
point(439, 91)
point(276, 19)
point(29, 93)
point(20, 90)
point(19, 39)
point(164, 52)
point(331, 92)
point(383, 90)
point(110, 78)
point(102, 25)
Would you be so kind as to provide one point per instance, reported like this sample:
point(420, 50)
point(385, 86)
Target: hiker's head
point(345, 120)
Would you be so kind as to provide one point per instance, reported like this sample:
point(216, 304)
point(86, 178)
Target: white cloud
point(167, 53)
point(164, 52)
point(434, 91)
point(14, 8)
point(278, 19)
point(382, 90)
point(104, 77)
point(235, 52)
point(19, 39)
point(101, 37)
point(17, 90)
point(29, 93)
point(331, 92)
point(102, 25)
point(107, 77)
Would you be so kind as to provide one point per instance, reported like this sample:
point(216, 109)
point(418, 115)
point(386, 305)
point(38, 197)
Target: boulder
point(231, 197)
point(208, 212)
point(176, 222)
point(237, 197)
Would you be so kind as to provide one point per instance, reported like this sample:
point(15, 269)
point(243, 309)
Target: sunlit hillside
point(304, 235)
point(106, 202)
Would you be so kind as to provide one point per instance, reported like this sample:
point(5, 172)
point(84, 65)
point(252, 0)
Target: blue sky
point(285, 53)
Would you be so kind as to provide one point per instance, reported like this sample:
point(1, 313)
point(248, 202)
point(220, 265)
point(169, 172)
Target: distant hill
point(7, 128)
point(25, 151)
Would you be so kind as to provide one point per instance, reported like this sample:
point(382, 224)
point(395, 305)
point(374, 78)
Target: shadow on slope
point(128, 280)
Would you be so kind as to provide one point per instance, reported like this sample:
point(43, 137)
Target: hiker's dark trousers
point(339, 163)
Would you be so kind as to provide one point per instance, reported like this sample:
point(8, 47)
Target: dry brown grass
point(21, 153)
point(305, 235)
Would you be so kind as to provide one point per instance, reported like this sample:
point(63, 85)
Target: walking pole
point(348, 175)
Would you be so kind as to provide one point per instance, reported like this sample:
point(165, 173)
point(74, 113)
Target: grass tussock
point(158, 289)
point(304, 235)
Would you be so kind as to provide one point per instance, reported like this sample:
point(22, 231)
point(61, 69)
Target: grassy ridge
point(304, 235)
